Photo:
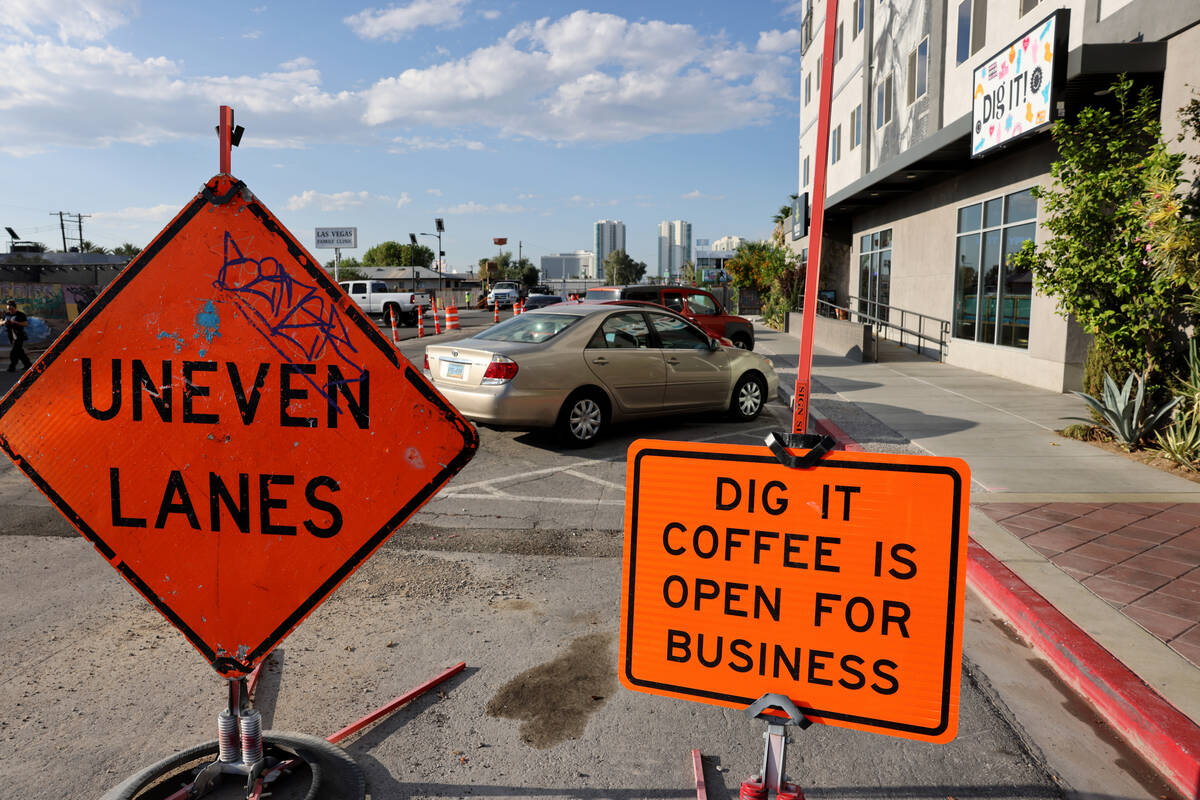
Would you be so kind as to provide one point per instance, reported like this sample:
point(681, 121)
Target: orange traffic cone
point(395, 336)
point(437, 327)
point(495, 311)
point(420, 322)
point(451, 317)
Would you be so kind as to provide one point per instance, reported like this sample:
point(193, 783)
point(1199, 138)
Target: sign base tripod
point(773, 777)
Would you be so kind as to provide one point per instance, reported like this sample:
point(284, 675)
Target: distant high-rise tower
point(674, 248)
point(610, 235)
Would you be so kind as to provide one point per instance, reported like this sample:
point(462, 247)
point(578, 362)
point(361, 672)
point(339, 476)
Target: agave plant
point(1180, 441)
point(1122, 414)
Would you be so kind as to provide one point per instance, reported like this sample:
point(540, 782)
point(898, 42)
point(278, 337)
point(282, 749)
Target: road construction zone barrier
point(437, 325)
point(516, 309)
point(420, 322)
point(395, 335)
point(495, 311)
point(451, 317)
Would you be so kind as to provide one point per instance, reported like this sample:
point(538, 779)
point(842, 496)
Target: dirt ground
point(98, 685)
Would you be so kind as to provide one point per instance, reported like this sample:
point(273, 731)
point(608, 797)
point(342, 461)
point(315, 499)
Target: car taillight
point(502, 370)
point(428, 372)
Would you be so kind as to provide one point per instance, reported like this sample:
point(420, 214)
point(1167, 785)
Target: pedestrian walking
point(15, 323)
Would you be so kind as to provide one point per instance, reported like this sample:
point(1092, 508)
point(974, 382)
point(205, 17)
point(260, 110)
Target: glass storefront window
point(875, 274)
point(991, 299)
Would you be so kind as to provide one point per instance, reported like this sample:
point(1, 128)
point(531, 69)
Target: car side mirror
point(713, 345)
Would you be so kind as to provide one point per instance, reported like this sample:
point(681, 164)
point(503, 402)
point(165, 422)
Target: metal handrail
point(885, 324)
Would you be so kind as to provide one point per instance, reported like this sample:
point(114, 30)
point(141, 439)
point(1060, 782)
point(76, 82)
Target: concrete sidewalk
point(1112, 544)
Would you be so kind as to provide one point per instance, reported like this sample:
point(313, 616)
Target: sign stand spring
point(773, 777)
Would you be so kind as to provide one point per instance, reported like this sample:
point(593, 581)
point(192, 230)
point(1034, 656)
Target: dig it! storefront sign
point(1015, 91)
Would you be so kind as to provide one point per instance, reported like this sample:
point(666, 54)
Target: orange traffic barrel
point(451, 317)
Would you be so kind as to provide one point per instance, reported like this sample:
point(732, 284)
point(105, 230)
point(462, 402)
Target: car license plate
point(455, 369)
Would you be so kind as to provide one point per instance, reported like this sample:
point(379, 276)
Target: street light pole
point(438, 236)
point(412, 237)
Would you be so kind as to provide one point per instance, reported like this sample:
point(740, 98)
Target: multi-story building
point(931, 162)
point(579, 264)
point(728, 243)
point(610, 236)
point(674, 248)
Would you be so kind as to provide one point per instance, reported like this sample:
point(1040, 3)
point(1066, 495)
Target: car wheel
point(582, 419)
point(741, 341)
point(749, 396)
point(411, 319)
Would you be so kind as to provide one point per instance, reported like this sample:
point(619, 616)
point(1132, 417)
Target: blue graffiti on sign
point(208, 325)
point(297, 319)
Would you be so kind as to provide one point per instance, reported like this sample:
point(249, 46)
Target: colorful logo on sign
point(1012, 91)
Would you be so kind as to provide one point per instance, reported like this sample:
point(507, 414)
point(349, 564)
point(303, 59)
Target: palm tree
point(126, 250)
point(87, 246)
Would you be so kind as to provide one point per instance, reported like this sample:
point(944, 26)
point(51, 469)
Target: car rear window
point(529, 328)
point(600, 295)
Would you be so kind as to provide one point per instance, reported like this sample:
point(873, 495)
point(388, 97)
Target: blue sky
point(529, 120)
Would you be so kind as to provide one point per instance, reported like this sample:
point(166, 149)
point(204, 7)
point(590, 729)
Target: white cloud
point(410, 144)
point(581, 77)
point(580, 201)
point(57, 95)
point(161, 213)
point(490, 13)
point(590, 76)
point(397, 22)
point(252, 35)
point(434, 192)
point(779, 41)
point(472, 207)
point(71, 19)
point(696, 194)
point(340, 201)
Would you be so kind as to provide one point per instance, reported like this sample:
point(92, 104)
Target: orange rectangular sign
point(840, 586)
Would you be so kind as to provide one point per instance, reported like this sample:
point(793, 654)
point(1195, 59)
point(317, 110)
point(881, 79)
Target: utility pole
point(63, 219)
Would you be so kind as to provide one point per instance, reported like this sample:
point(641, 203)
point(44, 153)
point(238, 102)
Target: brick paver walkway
point(1143, 558)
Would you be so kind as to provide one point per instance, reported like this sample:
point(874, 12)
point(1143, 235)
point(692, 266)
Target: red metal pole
point(225, 133)
point(815, 231)
point(383, 711)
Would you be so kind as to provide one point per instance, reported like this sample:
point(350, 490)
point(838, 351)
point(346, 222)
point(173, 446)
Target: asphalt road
point(515, 569)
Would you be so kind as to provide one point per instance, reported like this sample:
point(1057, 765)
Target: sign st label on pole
point(840, 586)
point(229, 431)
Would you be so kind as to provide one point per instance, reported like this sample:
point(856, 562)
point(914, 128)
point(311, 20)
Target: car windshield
point(529, 328)
point(600, 295)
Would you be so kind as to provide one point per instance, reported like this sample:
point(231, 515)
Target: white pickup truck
point(374, 297)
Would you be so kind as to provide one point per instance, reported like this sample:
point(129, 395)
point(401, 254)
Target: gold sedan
point(578, 368)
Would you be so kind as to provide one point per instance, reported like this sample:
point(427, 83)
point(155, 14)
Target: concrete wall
point(840, 337)
point(1181, 83)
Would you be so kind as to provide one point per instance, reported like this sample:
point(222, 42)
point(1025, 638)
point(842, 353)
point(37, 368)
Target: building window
point(837, 44)
point(856, 20)
point(807, 88)
point(918, 71)
point(818, 73)
point(806, 27)
point(856, 126)
point(991, 298)
point(875, 273)
point(804, 172)
point(835, 145)
point(972, 24)
point(883, 102)
point(1028, 5)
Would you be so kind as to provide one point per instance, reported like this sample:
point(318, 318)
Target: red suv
point(696, 304)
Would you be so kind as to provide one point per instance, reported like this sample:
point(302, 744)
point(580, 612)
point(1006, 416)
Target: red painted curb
point(1164, 736)
point(844, 442)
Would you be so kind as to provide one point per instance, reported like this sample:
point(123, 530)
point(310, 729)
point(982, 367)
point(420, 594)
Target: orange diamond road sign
point(229, 430)
point(839, 586)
